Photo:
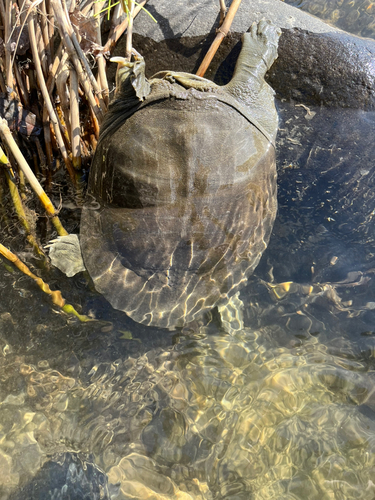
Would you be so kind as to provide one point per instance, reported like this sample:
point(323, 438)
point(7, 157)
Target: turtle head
point(130, 78)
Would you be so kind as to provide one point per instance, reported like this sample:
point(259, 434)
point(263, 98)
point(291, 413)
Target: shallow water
point(283, 407)
point(354, 16)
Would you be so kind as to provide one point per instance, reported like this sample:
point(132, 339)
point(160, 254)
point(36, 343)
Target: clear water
point(354, 16)
point(282, 408)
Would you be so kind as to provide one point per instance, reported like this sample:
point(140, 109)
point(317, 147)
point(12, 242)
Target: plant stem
point(221, 34)
point(8, 55)
point(75, 133)
point(119, 30)
point(223, 11)
point(100, 58)
point(129, 33)
point(57, 298)
point(18, 206)
point(46, 38)
point(47, 99)
point(23, 165)
point(61, 22)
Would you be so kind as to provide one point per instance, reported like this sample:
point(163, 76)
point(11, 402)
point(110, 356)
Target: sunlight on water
point(354, 16)
point(214, 416)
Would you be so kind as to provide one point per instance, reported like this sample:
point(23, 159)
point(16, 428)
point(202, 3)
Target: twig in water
point(55, 295)
point(18, 206)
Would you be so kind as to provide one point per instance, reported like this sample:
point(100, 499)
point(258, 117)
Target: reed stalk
point(45, 34)
point(119, 30)
point(69, 45)
point(60, 60)
point(2, 83)
point(102, 75)
point(75, 133)
point(7, 34)
point(47, 99)
point(221, 34)
point(22, 185)
point(18, 206)
point(23, 93)
point(23, 165)
point(223, 11)
point(57, 298)
point(129, 32)
point(63, 93)
point(51, 27)
point(41, 47)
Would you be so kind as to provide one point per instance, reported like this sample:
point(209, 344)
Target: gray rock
point(182, 18)
point(317, 63)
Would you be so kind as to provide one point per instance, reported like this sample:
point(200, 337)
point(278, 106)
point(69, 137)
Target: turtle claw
point(262, 41)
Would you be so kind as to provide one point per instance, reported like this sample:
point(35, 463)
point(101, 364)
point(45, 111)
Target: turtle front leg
point(259, 51)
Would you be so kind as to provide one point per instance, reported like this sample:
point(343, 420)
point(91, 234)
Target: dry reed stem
point(51, 28)
point(47, 138)
point(61, 22)
point(2, 83)
point(7, 33)
point(119, 30)
point(23, 165)
point(75, 133)
point(63, 93)
point(3, 15)
point(129, 32)
point(223, 11)
point(46, 38)
point(86, 9)
point(60, 59)
point(89, 73)
point(41, 48)
point(24, 95)
point(18, 206)
point(57, 298)
point(73, 35)
point(47, 100)
point(221, 34)
point(68, 26)
point(102, 75)
point(117, 15)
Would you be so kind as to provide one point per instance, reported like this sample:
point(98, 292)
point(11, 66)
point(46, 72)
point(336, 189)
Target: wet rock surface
point(328, 69)
point(317, 63)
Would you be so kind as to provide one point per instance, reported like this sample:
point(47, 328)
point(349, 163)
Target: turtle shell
point(183, 200)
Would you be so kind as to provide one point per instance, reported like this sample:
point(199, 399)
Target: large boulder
point(317, 63)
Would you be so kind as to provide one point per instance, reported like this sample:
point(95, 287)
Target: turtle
point(182, 191)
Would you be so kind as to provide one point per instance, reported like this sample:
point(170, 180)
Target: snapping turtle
point(182, 189)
